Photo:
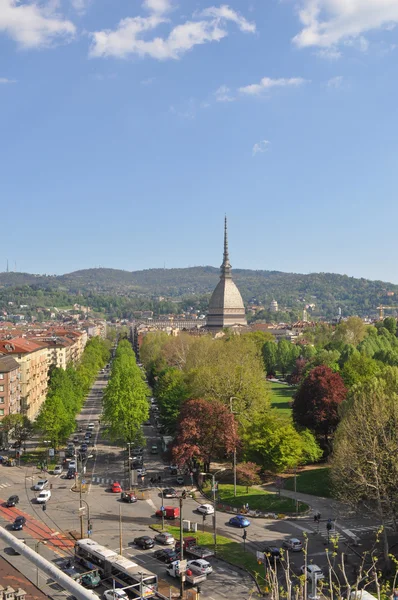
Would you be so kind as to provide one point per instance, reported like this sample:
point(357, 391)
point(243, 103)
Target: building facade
point(10, 386)
point(226, 308)
point(33, 362)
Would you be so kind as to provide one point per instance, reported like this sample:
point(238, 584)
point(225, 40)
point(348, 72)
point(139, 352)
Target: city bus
point(133, 578)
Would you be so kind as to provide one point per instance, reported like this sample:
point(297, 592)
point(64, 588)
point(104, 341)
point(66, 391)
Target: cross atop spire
point(226, 265)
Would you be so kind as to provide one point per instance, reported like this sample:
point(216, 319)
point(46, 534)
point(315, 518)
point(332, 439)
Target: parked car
point(115, 594)
point(180, 479)
point(206, 509)
point(137, 450)
point(72, 465)
point(200, 565)
point(40, 485)
point(43, 497)
point(273, 553)
point(58, 470)
point(144, 542)
point(293, 544)
point(239, 521)
point(84, 447)
point(116, 487)
point(90, 426)
point(12, 501)
point(164, 538)
point(311, 570)
point(141, 472)
point(169, 493)
point(19, 523)
point(166, 555)
point(76, 439)
point(70, 474)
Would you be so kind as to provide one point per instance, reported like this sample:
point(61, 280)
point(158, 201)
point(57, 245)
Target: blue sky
point(129, 127)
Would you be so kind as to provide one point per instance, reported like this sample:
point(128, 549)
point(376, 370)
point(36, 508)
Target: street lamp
point(129, 463)
point(213, 475)
point(233, 413)
point(89, 527)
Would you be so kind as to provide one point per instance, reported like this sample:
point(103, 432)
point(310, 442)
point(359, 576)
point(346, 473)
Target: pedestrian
point(159, 479)
point(247, 507)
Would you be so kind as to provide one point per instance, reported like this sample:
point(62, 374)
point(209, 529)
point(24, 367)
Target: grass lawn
point(281, 396)
point(257, 499)
point(313, 481)
point(226, 548)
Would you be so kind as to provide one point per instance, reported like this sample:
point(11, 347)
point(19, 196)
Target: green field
point(226, 548)
point(257, 499)
point(313, 481)
point(281, 396)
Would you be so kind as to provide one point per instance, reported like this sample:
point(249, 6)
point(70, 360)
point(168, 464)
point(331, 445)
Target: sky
point(129, 128)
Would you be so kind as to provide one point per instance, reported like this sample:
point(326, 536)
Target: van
point(171, 512)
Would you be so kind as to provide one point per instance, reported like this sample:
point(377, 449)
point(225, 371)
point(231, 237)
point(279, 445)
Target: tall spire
point(226, 265)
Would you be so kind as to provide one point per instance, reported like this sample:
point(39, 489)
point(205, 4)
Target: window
point(1, 388)
point(1, 412)
point(1, 375)
point(1, 399)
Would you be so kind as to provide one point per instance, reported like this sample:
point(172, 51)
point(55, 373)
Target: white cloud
point(227, 13)
point(335, 82)
point(267, 83)
point(157, 6)
point(80, 6)
point(5, 81)
point(127, 39)
point(33, 25)
point(327, 23)
point(223, 94)
point(260, 147)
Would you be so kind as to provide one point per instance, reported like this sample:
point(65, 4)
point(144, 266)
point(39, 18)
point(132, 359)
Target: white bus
point(135, 579)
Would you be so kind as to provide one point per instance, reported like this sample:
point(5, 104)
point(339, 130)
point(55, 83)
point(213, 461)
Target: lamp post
point(129, 464)
point(234, 466)
point(89, 529)
point(37, 550)
point(214, 505)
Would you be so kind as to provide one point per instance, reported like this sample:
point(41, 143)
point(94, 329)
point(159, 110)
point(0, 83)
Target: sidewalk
point(328, 507)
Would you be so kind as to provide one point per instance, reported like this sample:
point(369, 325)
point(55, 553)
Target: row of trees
point(125, 404)
point(214, 394)
point(67, 390)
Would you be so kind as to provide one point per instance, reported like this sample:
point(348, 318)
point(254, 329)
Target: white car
point(312, 570)
point(43, 497)
point(206, 509)
point(200, 565)
point(90, 426)
point(115, 594)
point(72, 464)
point(40, 485)
point(141, 472)
point(293, 544)
point(58, 470)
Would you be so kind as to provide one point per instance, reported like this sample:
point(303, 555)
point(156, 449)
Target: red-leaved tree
point(248, 474)
point(317, 401)
point(206, 431)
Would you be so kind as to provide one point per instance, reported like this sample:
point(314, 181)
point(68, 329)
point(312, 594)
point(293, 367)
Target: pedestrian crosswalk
point(102, 480)
point(5, 485)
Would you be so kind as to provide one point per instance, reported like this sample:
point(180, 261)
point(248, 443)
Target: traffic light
point(90, 526)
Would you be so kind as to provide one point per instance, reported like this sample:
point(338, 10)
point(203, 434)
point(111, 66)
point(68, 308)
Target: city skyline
point(128, 131)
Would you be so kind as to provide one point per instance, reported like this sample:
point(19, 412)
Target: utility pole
point(129, 464)
point(214, 515)
point(181, 552)
point(295, 489)
point(163, 511)
point(81, 502)
point(120, 531)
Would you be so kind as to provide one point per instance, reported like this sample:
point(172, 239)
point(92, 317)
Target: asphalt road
point(112, 519)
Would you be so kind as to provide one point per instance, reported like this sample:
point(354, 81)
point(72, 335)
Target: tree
point(247, 473)
point(125, 405)
point(286, 355)
point(269, 357)
point(391, 324)
point(53, 420)
point(317, 401)
point(358, 368)
point(170, 391)
point(352, 331)
point(207, 430)
point(364, 462)
point(18, 426)
point(276, 445)
point(298, 372)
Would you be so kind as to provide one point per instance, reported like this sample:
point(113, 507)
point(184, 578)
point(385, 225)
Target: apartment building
point(10, 386)
point(33, 362)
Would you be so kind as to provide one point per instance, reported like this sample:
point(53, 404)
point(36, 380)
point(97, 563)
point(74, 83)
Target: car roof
point(201, 561)
point(294, 540)
point(314, 568)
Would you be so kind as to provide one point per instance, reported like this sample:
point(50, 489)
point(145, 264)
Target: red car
point(116, 487)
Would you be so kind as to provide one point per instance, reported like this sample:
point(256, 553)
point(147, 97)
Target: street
point(115, 522)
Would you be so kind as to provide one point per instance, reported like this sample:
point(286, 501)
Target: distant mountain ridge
point(327, 291)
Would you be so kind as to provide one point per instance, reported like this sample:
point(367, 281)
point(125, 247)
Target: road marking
point(151, 503)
